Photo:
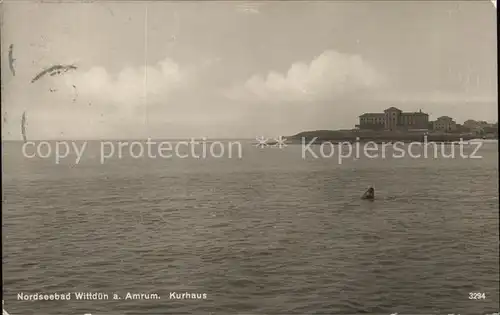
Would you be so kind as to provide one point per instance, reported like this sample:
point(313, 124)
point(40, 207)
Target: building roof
point(392, 109)
point(372, 115)
point(414, 114)
point(444, 118)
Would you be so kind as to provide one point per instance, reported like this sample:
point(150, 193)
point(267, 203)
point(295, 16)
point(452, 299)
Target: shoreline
point(365, 141)
point(338, 137)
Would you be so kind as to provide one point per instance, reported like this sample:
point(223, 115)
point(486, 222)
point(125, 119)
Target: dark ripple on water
point(292, 238)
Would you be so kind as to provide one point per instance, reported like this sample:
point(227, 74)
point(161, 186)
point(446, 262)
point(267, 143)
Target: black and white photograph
point(249, 157)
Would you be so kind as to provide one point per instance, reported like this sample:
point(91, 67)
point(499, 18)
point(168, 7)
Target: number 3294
point(477, 296)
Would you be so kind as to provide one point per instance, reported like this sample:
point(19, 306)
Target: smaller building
point(471, 124)
point(481, 128)
point(444, 124)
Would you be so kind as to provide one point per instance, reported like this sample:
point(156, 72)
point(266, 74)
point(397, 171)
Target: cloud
point(330, 75)
point(131, 87)
point(96, 102)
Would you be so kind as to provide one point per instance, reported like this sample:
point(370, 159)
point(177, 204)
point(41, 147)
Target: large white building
point(394, 119)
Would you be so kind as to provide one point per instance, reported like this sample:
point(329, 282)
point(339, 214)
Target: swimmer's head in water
point(369, 194)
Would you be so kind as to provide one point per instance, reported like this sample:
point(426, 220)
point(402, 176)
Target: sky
point(241, 69)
